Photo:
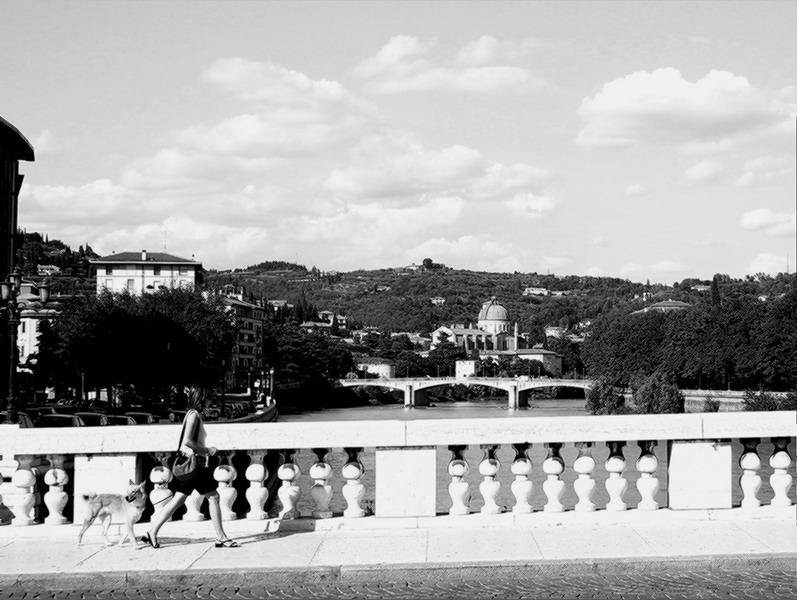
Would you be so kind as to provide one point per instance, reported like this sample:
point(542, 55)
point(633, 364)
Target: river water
point(497, 410)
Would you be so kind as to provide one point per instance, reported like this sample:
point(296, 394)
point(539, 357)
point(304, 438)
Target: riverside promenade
point(474, 550)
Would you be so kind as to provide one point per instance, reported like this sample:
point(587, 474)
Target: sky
point(635, 139)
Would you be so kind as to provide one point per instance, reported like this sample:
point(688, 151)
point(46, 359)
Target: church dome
point(492, 311)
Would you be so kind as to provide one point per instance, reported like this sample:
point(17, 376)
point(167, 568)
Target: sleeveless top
point(201, 434)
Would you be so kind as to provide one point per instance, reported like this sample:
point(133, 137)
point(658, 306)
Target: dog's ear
point(131, 482)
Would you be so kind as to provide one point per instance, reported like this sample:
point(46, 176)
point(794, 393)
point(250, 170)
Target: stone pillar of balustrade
point(288, 492)
point(750, 480)
point(24, 479)
point(193, 507)
point(353, 491)
point(616, 484)
point(225, 474)
point(160, 476)
point(490, 486)
point(699, 474)
point(780, 480)
point(321, 492)
point(257, 493)
point(522, 486)
point(55, 499)
point(458, 488)
point(584, 485)
point(553, 466)
point(647, 484)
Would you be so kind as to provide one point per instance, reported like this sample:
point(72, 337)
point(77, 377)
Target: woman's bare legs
point(160, 518)
point(214, 508)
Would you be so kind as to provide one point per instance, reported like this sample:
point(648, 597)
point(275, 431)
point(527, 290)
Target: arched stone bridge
point(517, 388)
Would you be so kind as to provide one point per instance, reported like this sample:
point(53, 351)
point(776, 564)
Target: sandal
point(147, 539)
point(227, 544)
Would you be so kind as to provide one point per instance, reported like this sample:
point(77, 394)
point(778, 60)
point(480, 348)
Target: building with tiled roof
point(145, 272)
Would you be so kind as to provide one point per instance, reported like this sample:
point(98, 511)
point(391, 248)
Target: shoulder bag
point(185, 466)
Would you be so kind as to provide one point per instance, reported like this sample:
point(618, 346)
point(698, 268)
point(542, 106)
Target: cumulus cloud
point(706, 171)
point(302, 165)
point(663, 107)
point(405, 64)
point(634, 189)
point(765, 170)
point(767, 262)
point(771, 223)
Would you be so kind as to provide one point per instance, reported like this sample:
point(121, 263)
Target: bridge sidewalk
point(370, 549)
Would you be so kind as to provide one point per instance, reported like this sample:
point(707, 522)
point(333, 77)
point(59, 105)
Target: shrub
point(762, 400)
point(657, 394)
point(604, 399)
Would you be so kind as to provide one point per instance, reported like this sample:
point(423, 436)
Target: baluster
point(256, 493)
point(56, 498)
point(780, 480)
point(553, 466)
point(490, 486)
point(522, 486)
point(288, 493)
point(225, 475)
point(458, 488)
point(584, 485)
point(647, 484)
point(160, 476)
point(193, 507)
point(353, 491)
point(616, 484)
point(321, 491)
point(750, 481)
point(23, 502)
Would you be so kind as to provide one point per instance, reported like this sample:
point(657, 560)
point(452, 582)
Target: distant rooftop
point(143, 256)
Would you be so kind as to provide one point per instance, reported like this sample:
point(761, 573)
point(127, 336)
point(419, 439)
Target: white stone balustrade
point(616, 484)
point(256, 494)
point(458, 489)
point(585, 485)
point(225, 474)
point(698, 448)
point(522, 486)
point(554, 488)
point(354, 490)
point(160, 476)
point(490, 486)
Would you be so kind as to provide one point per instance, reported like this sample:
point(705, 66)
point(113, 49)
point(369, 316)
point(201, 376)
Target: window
point(131, 283)
point(183, 270)
point(109, 284)
point(109, 269)
point(156, 270)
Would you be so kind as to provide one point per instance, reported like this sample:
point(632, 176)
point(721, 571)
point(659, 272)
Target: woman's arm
point(192, 424)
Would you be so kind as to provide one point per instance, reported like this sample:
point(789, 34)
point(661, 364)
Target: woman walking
point(193, 442)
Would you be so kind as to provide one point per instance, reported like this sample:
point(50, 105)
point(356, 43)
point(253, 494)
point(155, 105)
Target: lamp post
point(271, 385)
point(9, 291)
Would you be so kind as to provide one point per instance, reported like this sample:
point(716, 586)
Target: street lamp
point(271, 385)
point(9, 291)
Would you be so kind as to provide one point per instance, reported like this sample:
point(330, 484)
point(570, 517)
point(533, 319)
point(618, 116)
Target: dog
point(127, 508)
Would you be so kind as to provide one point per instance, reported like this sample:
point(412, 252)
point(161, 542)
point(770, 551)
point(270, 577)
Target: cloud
point(660, 268)
point(706, 171)
point(776, 224)
point(404, 64)
point(298, 166)
point(663, 107)
point(44, 142)
point(765, 170)
point(768, 263)
point(699, 40)
point(635, 189)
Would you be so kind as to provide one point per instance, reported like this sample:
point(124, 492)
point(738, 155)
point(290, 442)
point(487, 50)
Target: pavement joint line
point(455, 572)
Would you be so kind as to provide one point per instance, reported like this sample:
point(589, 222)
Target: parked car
point(59, 421)
point(120, 420)
point(24, 419)
point(65, 409)
point(34, 412)
point(142, 418)
point(177, 416)
point(92, 419)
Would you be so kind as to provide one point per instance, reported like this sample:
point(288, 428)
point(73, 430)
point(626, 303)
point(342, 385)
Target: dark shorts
point(202, 483)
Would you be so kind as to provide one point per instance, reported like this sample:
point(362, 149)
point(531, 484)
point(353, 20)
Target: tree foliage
point(605, 399)
point(656, 394)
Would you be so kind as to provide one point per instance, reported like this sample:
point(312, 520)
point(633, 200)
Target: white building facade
point(145, 272)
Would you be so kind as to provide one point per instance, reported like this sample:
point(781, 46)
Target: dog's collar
point(130, 498)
